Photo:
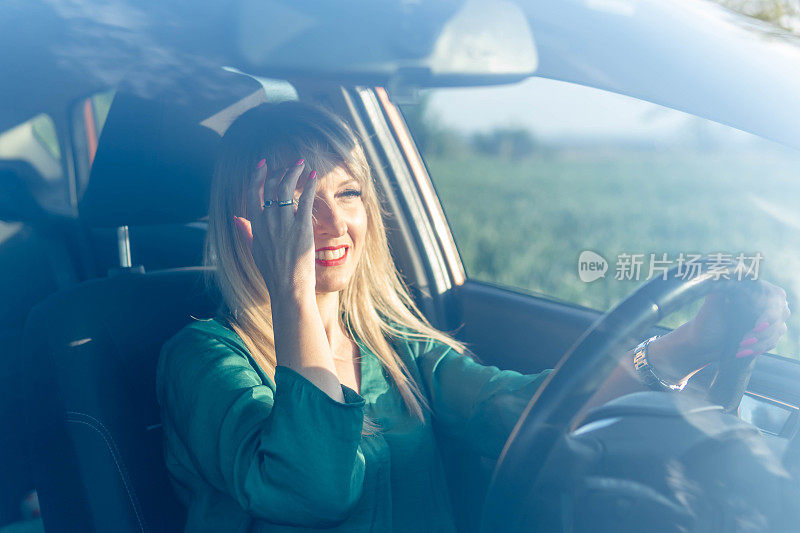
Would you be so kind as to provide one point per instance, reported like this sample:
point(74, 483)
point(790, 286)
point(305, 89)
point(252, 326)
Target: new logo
point(591, 266)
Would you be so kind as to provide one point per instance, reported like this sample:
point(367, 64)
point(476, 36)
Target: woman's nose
point(330, 218)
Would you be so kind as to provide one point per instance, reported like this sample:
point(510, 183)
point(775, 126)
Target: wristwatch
point(646, 373)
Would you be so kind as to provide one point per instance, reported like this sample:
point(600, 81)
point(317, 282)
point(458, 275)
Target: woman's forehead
point(336, 177)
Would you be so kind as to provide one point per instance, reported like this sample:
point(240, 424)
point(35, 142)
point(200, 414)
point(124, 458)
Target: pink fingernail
point(300, 162)
point(312, 175)
point(261, 163)
point(761, 327)
point(749, 341)
point(744, 353)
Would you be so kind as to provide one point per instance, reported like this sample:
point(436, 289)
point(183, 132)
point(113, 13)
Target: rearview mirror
point(395, 44)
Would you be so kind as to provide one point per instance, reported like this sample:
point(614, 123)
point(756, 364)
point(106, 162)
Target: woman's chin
point(330, 285)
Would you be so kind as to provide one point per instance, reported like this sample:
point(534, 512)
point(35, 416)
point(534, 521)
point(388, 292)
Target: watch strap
point(644, 370)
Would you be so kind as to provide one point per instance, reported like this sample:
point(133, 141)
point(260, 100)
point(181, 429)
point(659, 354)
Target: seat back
point(92, 349)
point(97, 446)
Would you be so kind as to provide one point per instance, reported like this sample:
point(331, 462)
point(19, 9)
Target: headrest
point(155, 160)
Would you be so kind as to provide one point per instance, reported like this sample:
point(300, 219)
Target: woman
point(309, 401)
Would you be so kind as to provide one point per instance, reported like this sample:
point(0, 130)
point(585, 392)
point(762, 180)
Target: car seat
point(34, 247)
point(91, 349)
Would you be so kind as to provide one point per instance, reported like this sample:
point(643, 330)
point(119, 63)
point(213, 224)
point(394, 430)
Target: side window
point(581, 195)
point(35, 142)
point(88, 118)
point(31, 150)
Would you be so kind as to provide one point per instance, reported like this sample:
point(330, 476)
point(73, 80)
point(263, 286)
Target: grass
point(524, 223)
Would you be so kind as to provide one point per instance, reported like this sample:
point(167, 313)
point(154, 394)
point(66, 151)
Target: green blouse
point(248, 454)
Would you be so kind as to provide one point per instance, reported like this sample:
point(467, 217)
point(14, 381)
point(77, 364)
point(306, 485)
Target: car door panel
point(516, 331)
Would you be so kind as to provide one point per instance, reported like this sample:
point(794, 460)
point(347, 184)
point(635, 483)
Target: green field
point(524, 223)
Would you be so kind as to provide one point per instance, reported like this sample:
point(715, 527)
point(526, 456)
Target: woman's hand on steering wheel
point(703, 337)
point(709, 326)
point(733, 314)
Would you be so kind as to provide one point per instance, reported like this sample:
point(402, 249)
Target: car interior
point(90, 294)
point(87, 376)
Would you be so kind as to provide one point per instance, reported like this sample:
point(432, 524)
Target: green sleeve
point(476, 404)
point(288, 455)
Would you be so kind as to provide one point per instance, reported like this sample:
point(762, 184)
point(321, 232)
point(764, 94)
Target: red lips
point(332, 262)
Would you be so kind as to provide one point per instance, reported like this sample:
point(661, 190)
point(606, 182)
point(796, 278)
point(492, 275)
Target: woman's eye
point(351, 193)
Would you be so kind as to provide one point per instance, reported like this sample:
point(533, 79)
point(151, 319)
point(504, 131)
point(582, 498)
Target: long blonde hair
point(376, 306)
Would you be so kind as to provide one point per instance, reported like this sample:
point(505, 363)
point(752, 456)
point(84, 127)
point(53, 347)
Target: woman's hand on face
point(282, 236)
point(710, 326)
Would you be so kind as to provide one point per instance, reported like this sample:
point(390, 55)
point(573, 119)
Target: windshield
point(582, 195)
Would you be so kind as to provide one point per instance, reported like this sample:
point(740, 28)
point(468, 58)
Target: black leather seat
point(95, 426)
point(91, 350)
point(36, 251)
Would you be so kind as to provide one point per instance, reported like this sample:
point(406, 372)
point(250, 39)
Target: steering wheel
point(585, 366)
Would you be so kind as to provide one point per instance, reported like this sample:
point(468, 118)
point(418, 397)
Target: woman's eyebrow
point(348, 182)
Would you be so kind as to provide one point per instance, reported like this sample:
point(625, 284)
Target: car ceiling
point(690, 55)
point(68, 49)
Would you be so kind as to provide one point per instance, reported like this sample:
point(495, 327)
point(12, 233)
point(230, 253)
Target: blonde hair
point(376, 305)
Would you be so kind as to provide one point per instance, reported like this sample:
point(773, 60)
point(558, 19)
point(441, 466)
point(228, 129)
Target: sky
point(556, 110)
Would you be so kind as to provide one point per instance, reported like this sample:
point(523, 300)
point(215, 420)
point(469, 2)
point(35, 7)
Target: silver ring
point(270, 203)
